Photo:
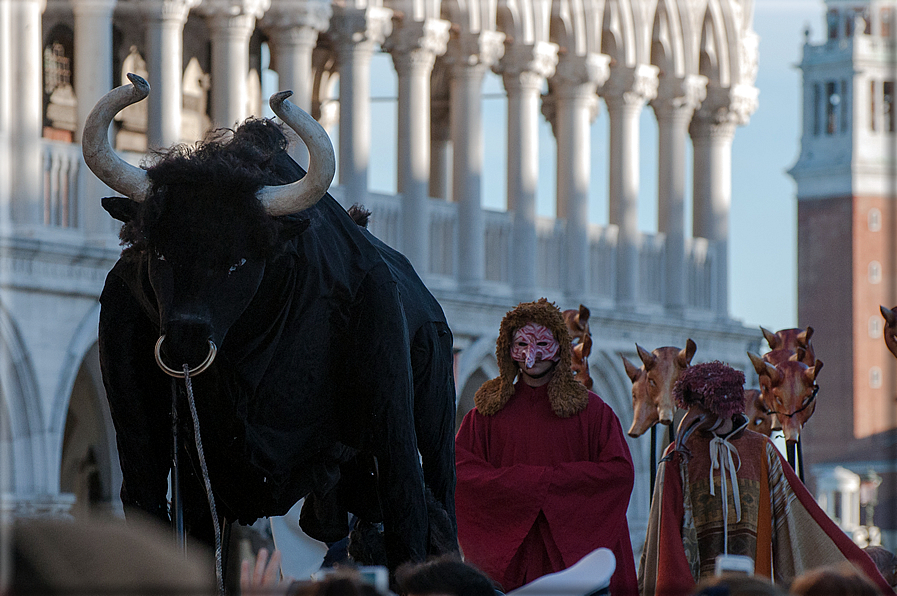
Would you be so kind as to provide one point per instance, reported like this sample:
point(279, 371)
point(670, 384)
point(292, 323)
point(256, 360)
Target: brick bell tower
point(847, 242)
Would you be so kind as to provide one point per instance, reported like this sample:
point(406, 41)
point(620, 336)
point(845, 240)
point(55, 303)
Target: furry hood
point(568, 397)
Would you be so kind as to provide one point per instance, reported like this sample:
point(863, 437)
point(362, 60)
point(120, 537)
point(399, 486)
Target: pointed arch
point(21, 404)
point(714, 60)
point(525, 22)
point(618, 36)
point(667, 50)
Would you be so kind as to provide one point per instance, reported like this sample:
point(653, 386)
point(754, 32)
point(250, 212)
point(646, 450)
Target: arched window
point(60, 104)
point(875, 326)
point(875, 377)
point(874, 220)
point(874, 272)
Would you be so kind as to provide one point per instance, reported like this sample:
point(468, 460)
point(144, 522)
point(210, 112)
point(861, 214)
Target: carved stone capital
point(575, 71)
point(527, 65)
point(285, 15)
point(417, 43)
point(749, 56)
point(355, 26)
point(679, 96)
point(469, 50)
point(234, 8)
point(726, 106)
point(630, 86)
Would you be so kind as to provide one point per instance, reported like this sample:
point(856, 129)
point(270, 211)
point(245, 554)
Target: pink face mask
point(534, 342)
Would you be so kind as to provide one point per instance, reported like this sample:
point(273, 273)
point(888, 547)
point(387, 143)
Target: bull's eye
point(235, 266)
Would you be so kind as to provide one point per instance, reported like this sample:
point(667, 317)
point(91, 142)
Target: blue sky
point(763, 226)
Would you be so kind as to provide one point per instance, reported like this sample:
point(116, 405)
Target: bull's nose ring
point(213, 351)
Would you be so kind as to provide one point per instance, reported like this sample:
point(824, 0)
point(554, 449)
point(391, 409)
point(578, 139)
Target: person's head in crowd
point(104, 556)
point(443, 576)
point(341, 583)
point(841, 580)
point(886, 561)
point(736, 584)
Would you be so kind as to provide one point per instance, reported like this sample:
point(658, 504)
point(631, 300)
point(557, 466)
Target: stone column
point(524, 69)
point(470, 55)
point(164, 63)
point(293, 27)
point(625, 93)
point(575, 109)
point(440, 137)
point(26, 126)
point(6, 106)
point(414, 46)
point(712, 130)
point(93, 78)
point(356, 33)
point(231, 23)
point(674, 105)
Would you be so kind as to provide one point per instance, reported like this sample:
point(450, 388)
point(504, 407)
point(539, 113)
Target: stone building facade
point(693, 62)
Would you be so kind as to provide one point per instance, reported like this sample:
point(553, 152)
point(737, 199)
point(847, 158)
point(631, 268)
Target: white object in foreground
point(591, 574)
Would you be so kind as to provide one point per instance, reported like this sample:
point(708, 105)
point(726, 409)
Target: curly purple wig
point(714, 386)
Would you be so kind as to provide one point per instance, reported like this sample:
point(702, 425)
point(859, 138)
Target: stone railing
point(61, 167)
point(701, 273)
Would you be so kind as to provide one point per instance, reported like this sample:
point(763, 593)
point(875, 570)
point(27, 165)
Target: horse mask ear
point(121, 208)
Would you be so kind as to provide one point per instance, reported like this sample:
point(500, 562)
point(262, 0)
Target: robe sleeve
point(496, 507)
point(599, 491)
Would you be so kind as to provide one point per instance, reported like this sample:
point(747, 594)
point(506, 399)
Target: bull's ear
point(632, 371)
point(291, 226)
point(122, 209)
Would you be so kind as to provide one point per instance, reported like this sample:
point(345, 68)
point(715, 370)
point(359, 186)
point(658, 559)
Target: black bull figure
point(321, 364)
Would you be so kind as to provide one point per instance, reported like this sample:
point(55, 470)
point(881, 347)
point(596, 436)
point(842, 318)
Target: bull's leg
point(382, 386)
point(434, 416)
point(138, 395)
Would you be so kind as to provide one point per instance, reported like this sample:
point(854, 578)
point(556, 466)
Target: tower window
point(874, 272)
point(872, 106)
point(844, 115)
point(874, 220)
point(817, 108)
point(874, 377)
point(875, 327)
point(887, 104)
point(886, 22)
point(831, 105)
point(832, 21)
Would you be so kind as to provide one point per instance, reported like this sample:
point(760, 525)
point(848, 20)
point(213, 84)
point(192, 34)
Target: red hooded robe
point(544, 474)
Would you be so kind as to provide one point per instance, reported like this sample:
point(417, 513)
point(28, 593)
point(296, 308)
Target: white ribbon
point(721, 458)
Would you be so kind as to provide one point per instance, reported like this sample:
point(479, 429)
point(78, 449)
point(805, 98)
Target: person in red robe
point(725, 496)
point(544, 472)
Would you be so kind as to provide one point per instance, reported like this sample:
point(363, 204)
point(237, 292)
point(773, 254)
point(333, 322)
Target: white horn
point(98, 154)
point(302, 194)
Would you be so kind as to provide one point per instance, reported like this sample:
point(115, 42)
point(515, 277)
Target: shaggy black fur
point(207, 192)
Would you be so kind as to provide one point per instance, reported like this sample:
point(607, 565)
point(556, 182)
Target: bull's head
point(788, 390)
point(759, 417)
point(890, 331)
point(203, 219)
point(652, 384)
